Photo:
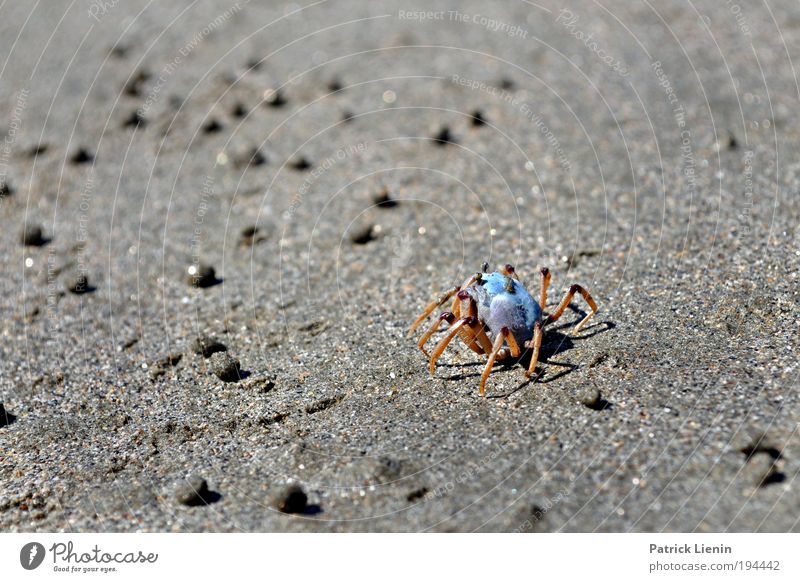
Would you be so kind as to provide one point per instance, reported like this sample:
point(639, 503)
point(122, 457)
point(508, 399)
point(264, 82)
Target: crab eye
point(463, 295)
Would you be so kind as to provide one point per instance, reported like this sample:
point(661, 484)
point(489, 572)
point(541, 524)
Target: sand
point(325, 162)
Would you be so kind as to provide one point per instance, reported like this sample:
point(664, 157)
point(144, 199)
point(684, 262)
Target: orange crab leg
point(430, 308)
point(433, 305)
point(566, 301)
point(545, 284)
point(513, 345)
point(483, 339)
point(509, 271)
point(537, 344)
point(467, 308)
point(498, 345)
point(445, 341)
point(446, 316)
point(471, 280)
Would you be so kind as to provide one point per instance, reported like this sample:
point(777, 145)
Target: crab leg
point(509, 271)
point(537, 344)
point(475, 338)
point(513, 345)
point(445, 341)
point(545, 284)
point(472, 335)
point(498, 345)
point(483, 339)
point(431, 307)
point(446, 316)
point(471, 280)
point(566, 301)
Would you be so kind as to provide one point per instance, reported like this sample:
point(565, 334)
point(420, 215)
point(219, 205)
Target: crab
point(490, 310)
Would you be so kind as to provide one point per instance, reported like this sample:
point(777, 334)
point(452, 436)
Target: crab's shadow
point(554, 343)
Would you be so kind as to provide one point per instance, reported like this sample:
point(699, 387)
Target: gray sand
point(670, 190)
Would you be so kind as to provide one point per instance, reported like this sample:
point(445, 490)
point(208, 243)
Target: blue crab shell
point(498, 308)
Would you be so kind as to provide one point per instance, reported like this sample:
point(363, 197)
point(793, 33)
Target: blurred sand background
point(645, 150)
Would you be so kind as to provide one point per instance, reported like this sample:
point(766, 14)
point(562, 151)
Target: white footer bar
point(385, 557)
